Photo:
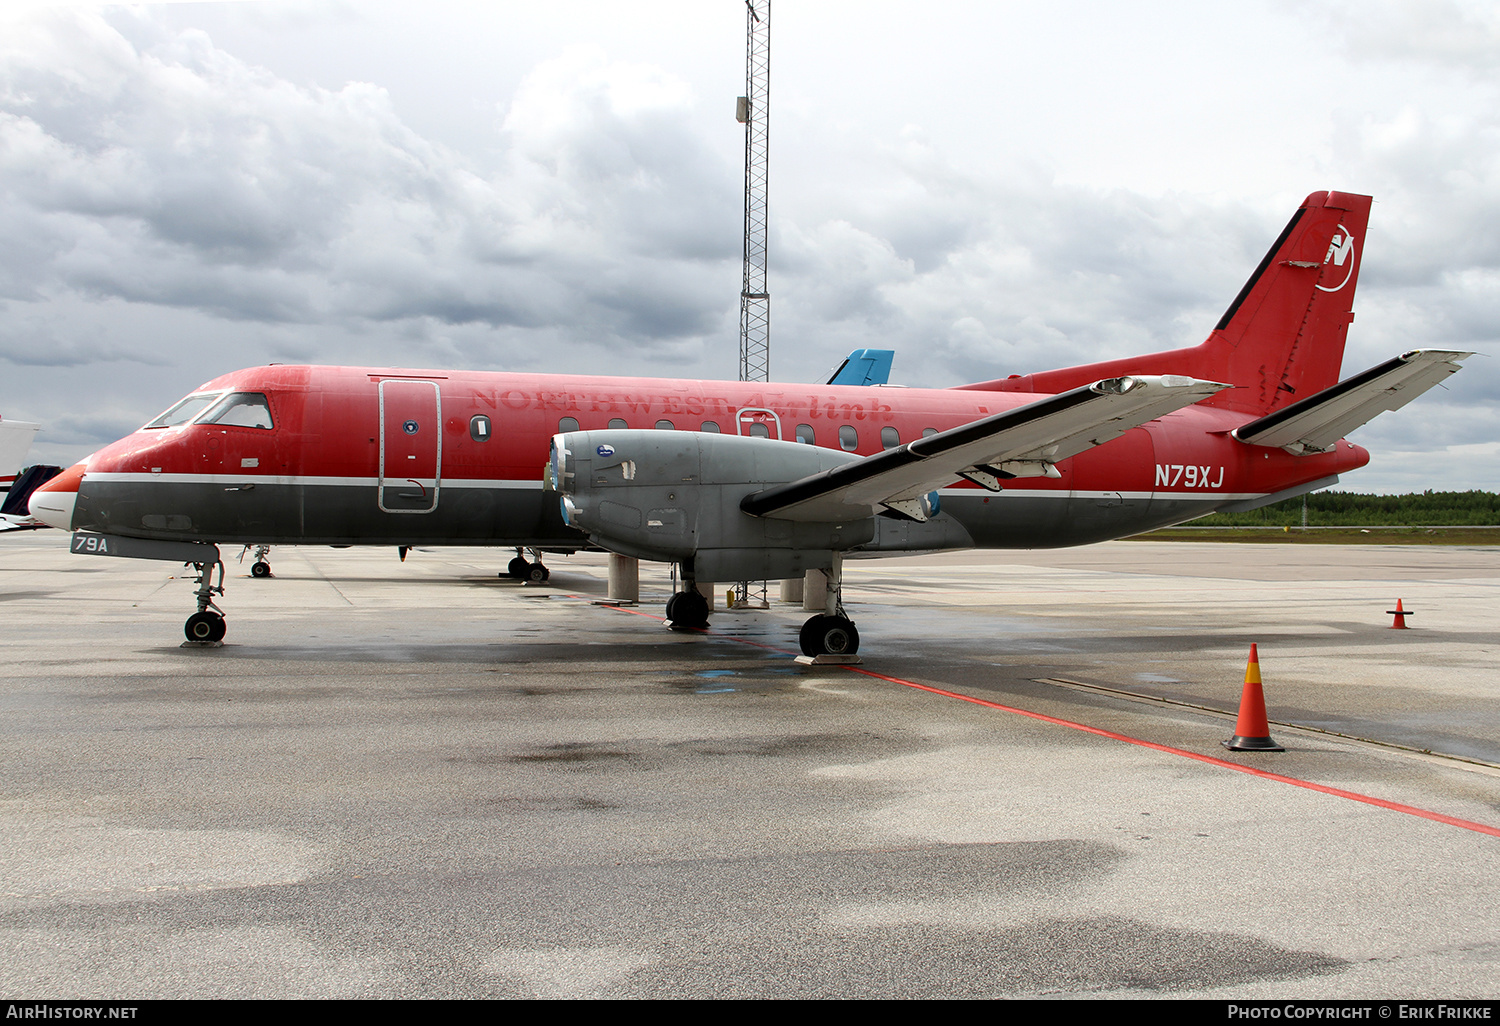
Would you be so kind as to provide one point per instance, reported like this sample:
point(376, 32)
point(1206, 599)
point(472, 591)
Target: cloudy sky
point(987, 188)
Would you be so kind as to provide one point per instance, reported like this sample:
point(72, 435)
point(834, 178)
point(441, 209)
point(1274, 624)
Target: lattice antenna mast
point(754, 110)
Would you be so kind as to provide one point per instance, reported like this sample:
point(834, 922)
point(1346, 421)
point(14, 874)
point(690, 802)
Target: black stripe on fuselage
point(324, 514)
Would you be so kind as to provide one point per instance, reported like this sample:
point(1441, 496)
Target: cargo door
point(411, 446)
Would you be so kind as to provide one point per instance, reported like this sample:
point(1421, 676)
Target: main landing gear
point(521, 569)
point(831, 634)
point(207, 624)
point(260, 568)
point(687, 609)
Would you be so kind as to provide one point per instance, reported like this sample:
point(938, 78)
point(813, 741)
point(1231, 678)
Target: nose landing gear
point(206, 626)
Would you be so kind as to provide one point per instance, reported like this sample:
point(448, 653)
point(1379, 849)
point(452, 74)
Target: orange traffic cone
point(1251, 731)
point(1399, 624)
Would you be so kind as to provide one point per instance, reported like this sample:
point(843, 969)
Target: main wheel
point(517, 568)
point(828, 635)
point(536, 573)
point(260, 568)
point(688, 609)
point(204, 627)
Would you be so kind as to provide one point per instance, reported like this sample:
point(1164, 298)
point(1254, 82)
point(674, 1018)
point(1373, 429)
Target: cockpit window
point(240, 409)
point(185, 410)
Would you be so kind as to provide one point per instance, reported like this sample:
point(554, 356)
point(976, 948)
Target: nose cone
point(53, 502)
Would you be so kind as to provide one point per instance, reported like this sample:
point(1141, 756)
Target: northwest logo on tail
point(1339, 252)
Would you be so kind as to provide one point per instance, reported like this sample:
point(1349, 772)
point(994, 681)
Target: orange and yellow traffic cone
point(1399, 624)
point(1252, 733)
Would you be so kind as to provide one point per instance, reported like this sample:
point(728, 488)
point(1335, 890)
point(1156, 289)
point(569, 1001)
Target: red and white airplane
point(753, 481)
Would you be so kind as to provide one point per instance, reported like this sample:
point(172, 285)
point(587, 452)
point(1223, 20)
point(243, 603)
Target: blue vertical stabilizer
point(864, 367)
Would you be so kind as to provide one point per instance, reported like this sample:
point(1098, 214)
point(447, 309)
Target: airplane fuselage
point(382, 456)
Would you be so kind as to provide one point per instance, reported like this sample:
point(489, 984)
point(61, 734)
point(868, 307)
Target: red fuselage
point(347, 455)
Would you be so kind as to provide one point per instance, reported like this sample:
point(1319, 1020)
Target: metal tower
point(754, 110)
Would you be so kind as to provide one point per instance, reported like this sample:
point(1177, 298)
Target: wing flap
point(1316, 423)
point(1025, 442)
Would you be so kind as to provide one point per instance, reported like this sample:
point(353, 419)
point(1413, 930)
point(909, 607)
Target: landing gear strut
point(523, 570)
point(831, 633)
point(207, 624)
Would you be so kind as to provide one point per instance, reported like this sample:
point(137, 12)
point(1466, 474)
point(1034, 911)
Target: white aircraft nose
point(53, 502)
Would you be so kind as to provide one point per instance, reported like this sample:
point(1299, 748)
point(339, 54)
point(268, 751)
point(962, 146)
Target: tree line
point(1354, 509)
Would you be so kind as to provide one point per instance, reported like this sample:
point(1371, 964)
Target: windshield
point(240, 409)
point(185, 410)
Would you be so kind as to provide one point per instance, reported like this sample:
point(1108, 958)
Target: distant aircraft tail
point(1283, 336)
point(15, 442)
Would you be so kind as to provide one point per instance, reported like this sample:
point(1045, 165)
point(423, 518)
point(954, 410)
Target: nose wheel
point(206, 626)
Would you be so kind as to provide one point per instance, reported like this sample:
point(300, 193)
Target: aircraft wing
point(1024, 442)
point(1314, 424)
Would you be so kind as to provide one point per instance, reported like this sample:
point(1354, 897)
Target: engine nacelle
point(674, 496)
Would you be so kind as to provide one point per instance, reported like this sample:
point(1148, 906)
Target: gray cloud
point(171, 211)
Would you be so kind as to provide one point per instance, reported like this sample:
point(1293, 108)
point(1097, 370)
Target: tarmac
point(421, 780)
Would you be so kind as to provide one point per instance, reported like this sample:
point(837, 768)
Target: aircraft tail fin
point(864, 367)
point(1282, 338)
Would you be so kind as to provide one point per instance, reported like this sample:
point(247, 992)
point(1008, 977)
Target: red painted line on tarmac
point(1410, 810)
point(1281, 778)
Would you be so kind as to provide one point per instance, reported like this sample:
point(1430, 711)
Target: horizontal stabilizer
point(1025, 442)
point(1314, 424)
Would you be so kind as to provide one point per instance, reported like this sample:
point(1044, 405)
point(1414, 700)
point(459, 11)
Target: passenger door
point(411, 446)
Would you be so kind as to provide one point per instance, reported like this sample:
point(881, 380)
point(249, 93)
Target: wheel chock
point(1252, 733)
point(829, 660)
point(1399, 624)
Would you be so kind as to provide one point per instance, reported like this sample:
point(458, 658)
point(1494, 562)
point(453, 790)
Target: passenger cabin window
point(185, 410)
point(617, 423)
point(665, 425)
point(567, 424)
point(928, 432)
point(805, 434)
point(240, 409)
point(479, 428)
point(712, 427)
point(889, 438)
point(759, 430)
point(848, 438)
